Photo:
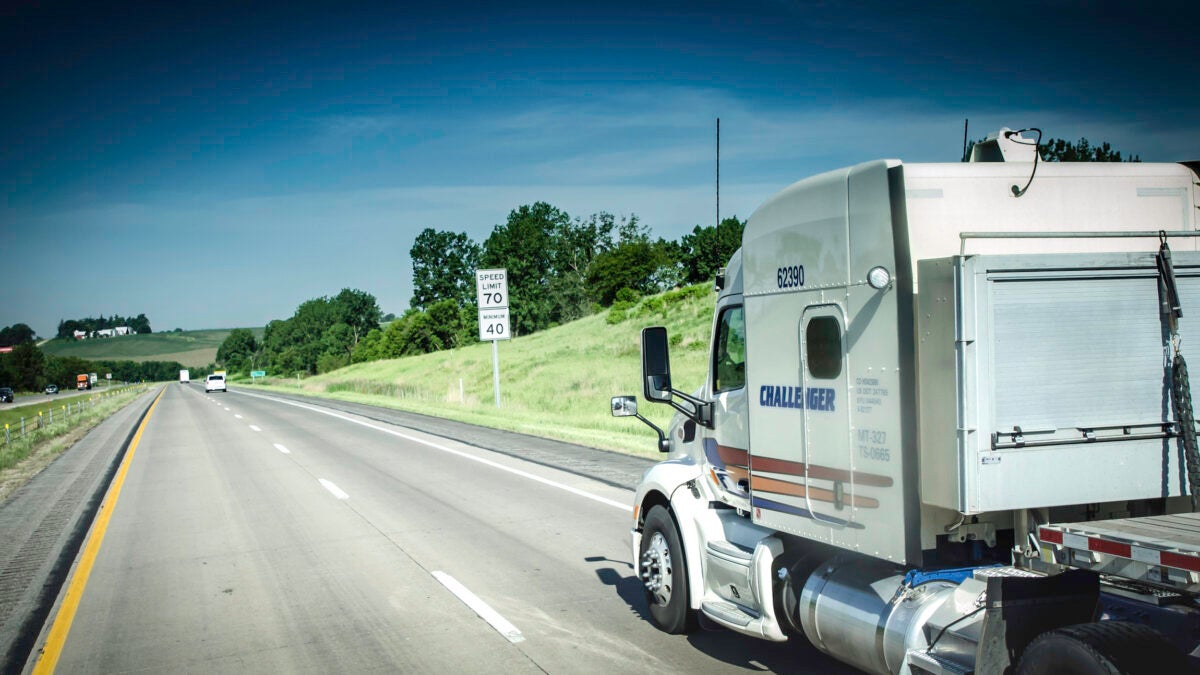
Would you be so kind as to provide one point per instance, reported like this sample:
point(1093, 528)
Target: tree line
point(559, 269)
point(27, 368)
point(89, 325)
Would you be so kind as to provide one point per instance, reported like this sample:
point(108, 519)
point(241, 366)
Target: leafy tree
point(575, 246)
point(630, 265)
point(707, 249)
point(524, 247)
point(16, 334)
point(26, 363)
point(1058, 150)
point(359, 311)
point(140, 325)
point(237, 352)
point(369, 348)
point(338, 340)
point(444, 265)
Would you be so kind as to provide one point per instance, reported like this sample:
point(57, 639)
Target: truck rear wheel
point(1106, 647)
point(664, 573)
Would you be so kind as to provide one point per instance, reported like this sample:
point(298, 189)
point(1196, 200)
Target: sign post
point(491, 288)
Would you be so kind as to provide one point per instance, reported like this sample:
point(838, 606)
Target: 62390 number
point(790, 277)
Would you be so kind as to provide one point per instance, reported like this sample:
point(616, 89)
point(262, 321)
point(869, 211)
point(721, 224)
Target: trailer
point(947, 425)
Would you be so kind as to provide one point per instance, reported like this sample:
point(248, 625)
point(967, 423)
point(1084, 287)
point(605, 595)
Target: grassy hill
point(556, 383)
point(193, 348)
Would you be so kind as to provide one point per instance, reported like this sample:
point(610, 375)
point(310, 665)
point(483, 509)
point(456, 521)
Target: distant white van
point(185, 377)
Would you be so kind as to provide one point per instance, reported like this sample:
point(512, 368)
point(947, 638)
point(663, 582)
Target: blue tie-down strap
point(956, 575)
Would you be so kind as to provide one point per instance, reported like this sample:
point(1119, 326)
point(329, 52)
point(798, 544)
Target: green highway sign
point(258, 373)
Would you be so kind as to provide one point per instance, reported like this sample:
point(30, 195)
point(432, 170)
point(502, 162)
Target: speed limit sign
point(493, 324)
point(491, 288)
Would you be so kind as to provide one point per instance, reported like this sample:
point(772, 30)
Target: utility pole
point(718, 172)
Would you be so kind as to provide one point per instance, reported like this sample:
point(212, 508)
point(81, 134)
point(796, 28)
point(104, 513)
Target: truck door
point(728, 449)
point(826, 431)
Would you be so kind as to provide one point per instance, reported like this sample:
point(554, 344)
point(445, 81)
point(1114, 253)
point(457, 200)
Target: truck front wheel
point(664, 573)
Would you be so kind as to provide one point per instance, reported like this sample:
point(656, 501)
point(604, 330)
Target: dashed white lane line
point(236, 415)
point(333, 489)
point(517, 472)
point(282, 449)
point(480, 607)
point(227, 409)
point(254, 428)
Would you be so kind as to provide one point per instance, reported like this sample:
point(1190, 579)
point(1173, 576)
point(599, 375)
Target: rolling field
point(194, 348)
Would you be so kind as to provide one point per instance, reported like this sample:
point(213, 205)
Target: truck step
point(920, 661)
point(727, 613)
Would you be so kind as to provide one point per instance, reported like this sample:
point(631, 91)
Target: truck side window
point(823, 347)
point(729, 354)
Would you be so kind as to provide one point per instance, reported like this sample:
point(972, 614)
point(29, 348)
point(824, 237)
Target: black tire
point(670, 606)
point(1106, 647)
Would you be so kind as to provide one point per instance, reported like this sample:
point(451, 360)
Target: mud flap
point(1019, 609)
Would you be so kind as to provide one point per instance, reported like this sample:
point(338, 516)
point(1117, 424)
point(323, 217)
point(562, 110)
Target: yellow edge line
point(48, 659)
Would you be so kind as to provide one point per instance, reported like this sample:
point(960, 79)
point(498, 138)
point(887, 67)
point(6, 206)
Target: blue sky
point(214, 165)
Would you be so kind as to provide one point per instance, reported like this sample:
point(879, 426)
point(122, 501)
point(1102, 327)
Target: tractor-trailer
point(947, 424)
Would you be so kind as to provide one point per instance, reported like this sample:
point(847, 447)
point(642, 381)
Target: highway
point(257, 534)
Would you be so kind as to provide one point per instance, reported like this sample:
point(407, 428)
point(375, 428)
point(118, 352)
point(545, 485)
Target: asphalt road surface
point(257, 534)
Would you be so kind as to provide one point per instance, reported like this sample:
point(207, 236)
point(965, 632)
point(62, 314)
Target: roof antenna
point(964, 154)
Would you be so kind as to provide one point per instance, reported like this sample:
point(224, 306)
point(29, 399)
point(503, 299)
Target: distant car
point(52, 389)
point(6, 395)
point(214, 383)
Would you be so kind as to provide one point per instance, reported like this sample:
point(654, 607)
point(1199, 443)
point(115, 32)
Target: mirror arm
point(663, 445)
point(700, 411)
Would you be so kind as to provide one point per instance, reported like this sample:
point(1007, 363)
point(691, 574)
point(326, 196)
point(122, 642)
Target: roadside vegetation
point(51, 428)
point(555, 383)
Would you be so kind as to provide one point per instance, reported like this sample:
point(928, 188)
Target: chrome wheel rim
point(657, 569)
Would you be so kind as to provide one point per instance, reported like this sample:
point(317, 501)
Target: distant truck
point(945, 427)
point(83, 381)
point(184, 376)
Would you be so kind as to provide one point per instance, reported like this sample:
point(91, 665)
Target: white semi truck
point(941, 428)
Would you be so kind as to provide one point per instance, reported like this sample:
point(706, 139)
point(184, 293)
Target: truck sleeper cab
point(926, 394)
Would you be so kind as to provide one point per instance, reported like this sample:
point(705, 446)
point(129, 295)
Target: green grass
point(556, 383)
point(193, 348)
point(86, 411)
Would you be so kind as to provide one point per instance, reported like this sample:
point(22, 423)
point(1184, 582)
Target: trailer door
point(826, 431)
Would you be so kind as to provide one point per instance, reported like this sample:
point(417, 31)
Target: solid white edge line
point(480, 607)
point(282, 449)
point(473, 458)
point(254, 428)
point(333, 489)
